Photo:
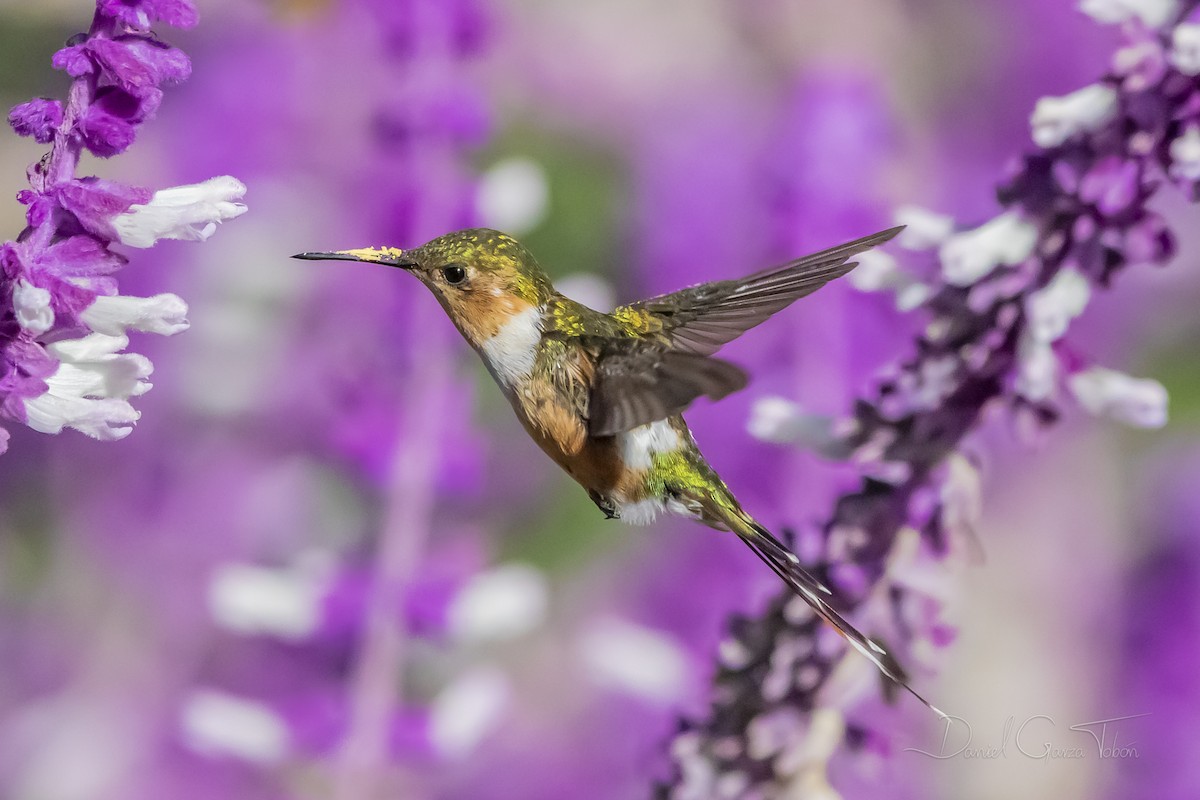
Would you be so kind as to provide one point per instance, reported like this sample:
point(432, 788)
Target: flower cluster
point(1000, 297)
point(63, 324)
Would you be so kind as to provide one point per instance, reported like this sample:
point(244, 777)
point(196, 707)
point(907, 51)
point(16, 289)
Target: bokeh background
point(190, 612)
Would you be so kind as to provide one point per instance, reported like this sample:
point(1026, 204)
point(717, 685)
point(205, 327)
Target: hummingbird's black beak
point(388, 256)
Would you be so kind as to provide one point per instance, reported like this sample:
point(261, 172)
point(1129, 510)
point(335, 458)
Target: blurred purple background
point(207, 608)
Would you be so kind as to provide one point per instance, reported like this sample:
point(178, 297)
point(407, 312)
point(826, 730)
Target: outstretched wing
point(637, 381)
point(660, 371)
point(703, 318)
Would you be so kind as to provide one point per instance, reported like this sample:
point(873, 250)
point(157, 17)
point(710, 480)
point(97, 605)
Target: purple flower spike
point(38, 118)
point(787, 695)
point(63, 324)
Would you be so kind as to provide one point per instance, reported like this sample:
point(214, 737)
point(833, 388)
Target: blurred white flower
point(635, 659)
point(1037, 368)
point(1007, 240)
point(1057, 119)
point(1151, 13)
point(220, 724)
point(1185, 154)
point(467, 710)
point(513, 195)
point(1051, 309)
point(924, 229)
point(252, 600)
point(1138, 402)
point(502, 603)
point(1185, 48)
point(591, 290)
point(182, 212)
point(877, 271)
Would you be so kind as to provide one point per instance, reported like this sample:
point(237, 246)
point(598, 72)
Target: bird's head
point(480, 276)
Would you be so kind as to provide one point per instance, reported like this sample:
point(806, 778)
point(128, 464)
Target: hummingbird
point(602, 394)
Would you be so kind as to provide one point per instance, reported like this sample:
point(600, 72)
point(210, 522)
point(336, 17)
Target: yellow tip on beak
point(388, 256)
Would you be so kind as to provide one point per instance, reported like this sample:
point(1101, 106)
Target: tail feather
point(786, 565)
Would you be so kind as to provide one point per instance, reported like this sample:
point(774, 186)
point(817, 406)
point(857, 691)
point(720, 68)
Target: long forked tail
point(786, 565)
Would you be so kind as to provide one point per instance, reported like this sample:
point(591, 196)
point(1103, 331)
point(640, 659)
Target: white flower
point(924, 229)
point(591, 290)
point(807, 762)
point(32, 304)
point(164, 314)
point(962, 497)
point(182, 212)
point(1037, 368)
point(1185, 154)
point(216, 723)
point(502, 603)
point(1152, 13)
point(780, 421)
point(467, 710)
point(968, 256)
point(1185, 48)
point(1057, 119)
point(772, 731)
point(513, 195)
point(635, 659)
point(256, 600)
point(91, 388)
point(1139, 402)
point(877, 271)
point(1051, 309)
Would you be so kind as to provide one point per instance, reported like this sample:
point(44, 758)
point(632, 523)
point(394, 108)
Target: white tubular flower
point(91, 388)
point(103, 419)
point(1137, 402)
point(164, 314)
point(255, 600)
point(1057, 119)
point(1052, 308)
point(1152, 13)
point(502, 603)
point(32, 305)
point(924, 229)
point(466, 711)
point(220, 724)
point(1185, 48)
point(182, 212)
point(971, 255)
point(1185, 154)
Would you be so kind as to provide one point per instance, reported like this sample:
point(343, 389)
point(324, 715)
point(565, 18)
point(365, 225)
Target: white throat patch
point(512, 351)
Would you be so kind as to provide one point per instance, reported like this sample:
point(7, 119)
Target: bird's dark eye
point(454, 274)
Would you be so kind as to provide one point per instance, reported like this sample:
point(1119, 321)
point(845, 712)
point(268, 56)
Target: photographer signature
point(1031, 738)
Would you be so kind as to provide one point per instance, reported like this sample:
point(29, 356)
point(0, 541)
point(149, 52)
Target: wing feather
point(703, 318)
point(658, 373)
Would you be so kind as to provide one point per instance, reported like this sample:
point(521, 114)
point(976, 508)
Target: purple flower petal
point(95, 201)
point(74, 61)
point(138, 65)
point(37, 118)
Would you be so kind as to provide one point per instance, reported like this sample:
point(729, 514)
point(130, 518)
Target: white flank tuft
point(639, 445)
